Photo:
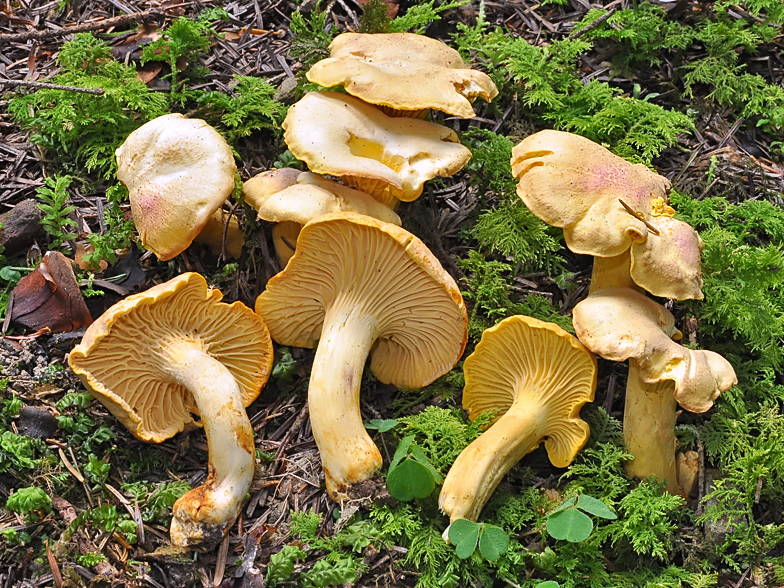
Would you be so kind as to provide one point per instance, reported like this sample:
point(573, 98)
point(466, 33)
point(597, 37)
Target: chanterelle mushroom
point(157, 358)
point(611, 209)
point(340, 135)
point(539, 377)
point(310, 197)
point(178, 171)
point(357, 287)
point(408, 74)
point(620, 324)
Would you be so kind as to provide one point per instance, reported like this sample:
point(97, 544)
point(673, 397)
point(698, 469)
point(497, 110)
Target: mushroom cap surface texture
point(340, 135)
point(313, 196)
point(571, 182)
point(120, 357)
point(525, 360)
point(178, 171)
point(391, 275)
point(619, 324)
point(668, 264)
point(403, 71)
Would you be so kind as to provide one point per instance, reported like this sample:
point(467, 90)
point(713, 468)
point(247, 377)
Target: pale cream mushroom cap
point(571, 182)
point(620, 324)
point(313, 196)
point(403, 72)
point(178, 171)
point(121, 358)
point(342, 136)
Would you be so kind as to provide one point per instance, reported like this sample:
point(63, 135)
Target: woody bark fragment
point(50, 297)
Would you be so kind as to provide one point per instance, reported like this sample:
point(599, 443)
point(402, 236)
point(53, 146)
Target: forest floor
point(96, 472)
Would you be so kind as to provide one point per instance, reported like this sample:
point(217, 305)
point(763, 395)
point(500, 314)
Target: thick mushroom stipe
point(403, 73)
point(158, 358)
point(620, 324)
point(538, 376)
point(357, 287)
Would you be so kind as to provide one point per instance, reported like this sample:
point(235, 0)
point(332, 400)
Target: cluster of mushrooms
point(356, 286)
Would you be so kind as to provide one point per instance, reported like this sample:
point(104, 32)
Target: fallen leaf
point(50, 297)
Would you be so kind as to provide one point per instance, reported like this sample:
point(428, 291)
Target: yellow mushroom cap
point(215, 228)
point(620, 324)
point(403, 71)
point(120, 359)
point(668, 264)
point(387, 273)
point(313, 196)
point(571, 182)
point(538, 365)
point(263, 185)
point(342, 136)
point(178, 171)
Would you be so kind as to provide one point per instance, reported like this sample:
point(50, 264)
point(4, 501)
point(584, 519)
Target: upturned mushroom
point(359, 287)
point(308, 198)
point(158, 358)
point(403, 73)
point(611, 209)
point(538, 377)
point(339, 135)
point(620, 324)
point(178, 171)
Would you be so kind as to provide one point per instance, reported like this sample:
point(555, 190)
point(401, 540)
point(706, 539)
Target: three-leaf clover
point(411, 475)
point(465, 535)
point(570, 522)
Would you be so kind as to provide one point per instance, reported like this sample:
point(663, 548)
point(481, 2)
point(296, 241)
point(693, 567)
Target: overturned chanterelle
point(158, 358)
point(359, 287)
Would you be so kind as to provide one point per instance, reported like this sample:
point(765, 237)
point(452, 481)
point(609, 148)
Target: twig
point(96, 91)
point(595, 24)
point(89, 26)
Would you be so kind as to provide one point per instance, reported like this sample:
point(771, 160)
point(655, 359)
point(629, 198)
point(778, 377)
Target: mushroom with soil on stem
point(388, 158)
point(620, 324)
point(309, 197)
point(178, 172)
point(359, 287)
point(538, 376)
point(403, 73)
point(156, 359)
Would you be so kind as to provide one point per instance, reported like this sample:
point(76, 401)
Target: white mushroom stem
point(202, 516)
point(649, 429)
point(612, 272)
point(479, 468)
point(348, 454)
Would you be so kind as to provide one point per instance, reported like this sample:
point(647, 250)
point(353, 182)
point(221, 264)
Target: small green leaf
point(408, 480)
point(464, 535)
point(570, 524)
point(10, 275)
point(419, 455)
point(401, 451)
point(493, 542)
point(595, 507)
point(382, 425)
point(565, 504)
point(548, 584)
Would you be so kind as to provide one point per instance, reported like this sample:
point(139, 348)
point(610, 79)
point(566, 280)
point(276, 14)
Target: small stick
point(95, 91)
point(595, 24)
point(90, 26)
point(639, 216)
